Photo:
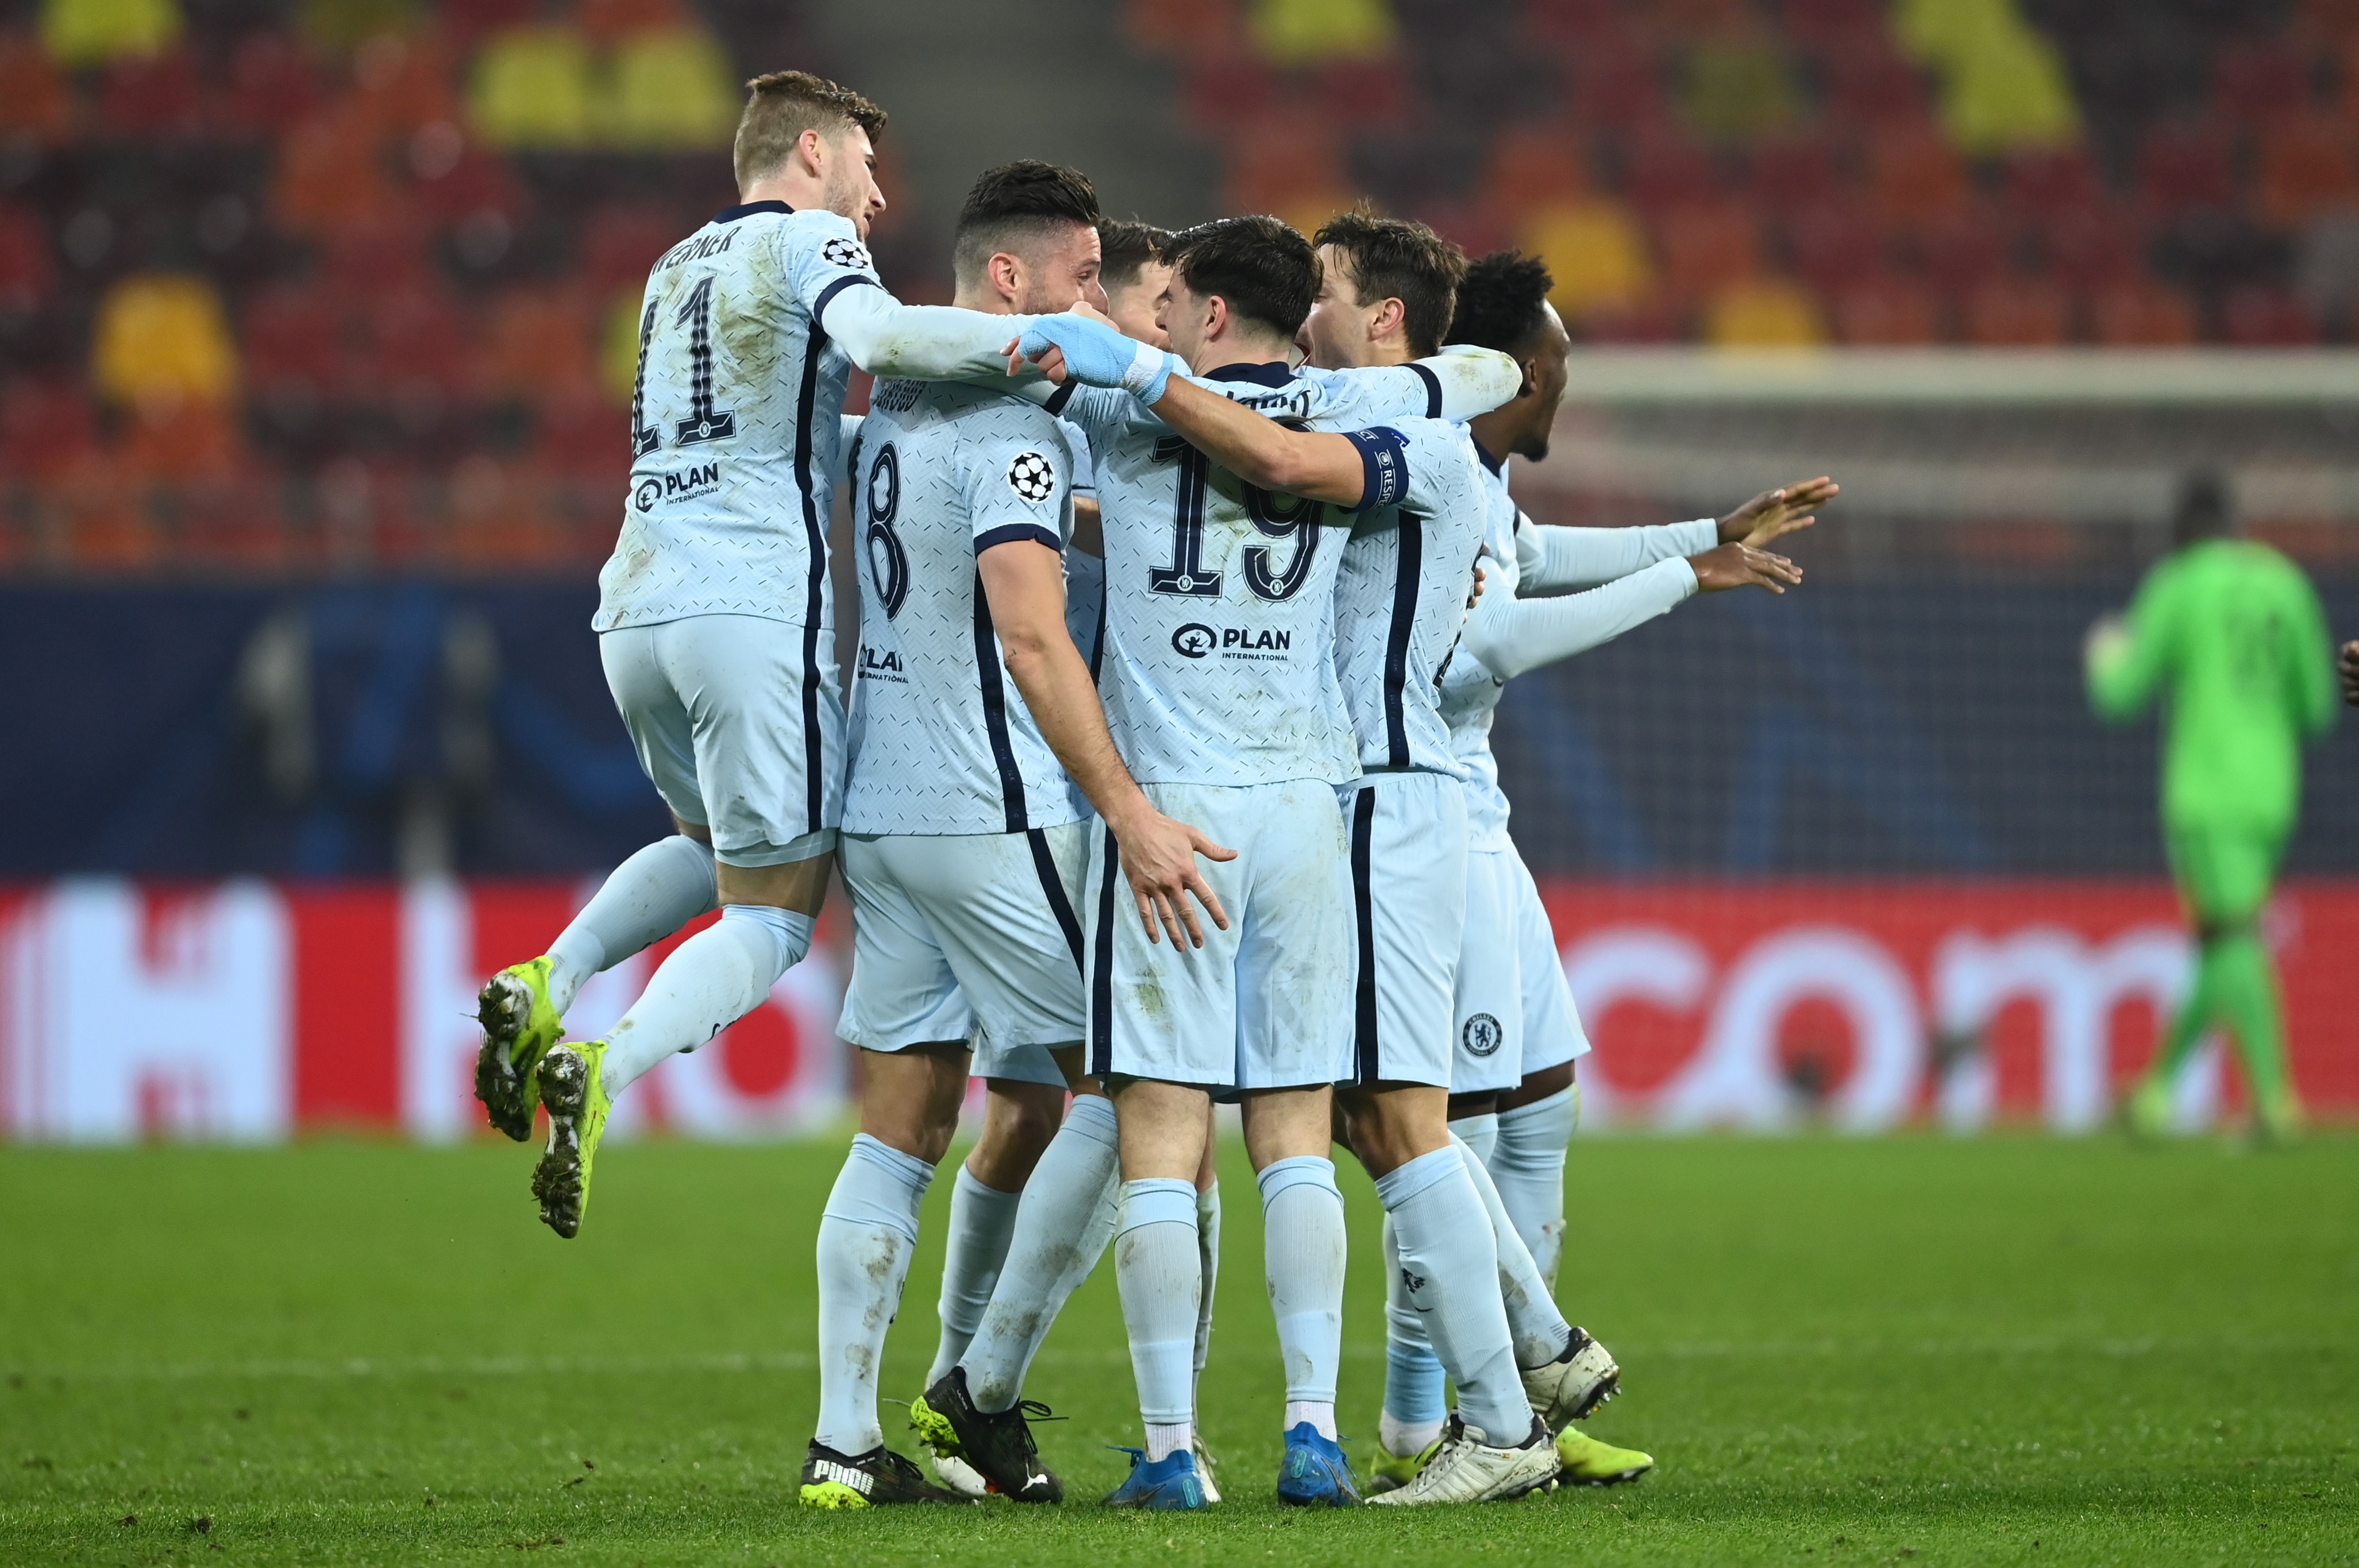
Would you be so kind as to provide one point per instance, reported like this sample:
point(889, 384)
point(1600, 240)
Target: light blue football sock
point(1450, 1276)
point(983, 1219)
point(1156, 1266)
point(1062, 1229)
point(1415, 1400)
point(1528, 1167)
point(1539, 1330)
point(866, 1236)
point(1302, 1253)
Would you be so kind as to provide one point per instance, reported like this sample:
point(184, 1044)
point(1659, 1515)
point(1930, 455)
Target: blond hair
point(782, 106)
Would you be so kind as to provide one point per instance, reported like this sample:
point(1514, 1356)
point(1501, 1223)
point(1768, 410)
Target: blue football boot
point(1315, 1474)
point(1170, 1483)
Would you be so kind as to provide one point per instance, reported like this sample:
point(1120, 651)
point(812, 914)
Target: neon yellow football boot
point(1588, 1463)
point(2147, 1113)
point(1390, 1472)
point(519, 1026)
point(573, 1087)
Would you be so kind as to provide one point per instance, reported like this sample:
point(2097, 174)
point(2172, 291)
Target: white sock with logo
point(1539, 1330)
point(644, 900)
point(1449, 1271)
point(711, 980)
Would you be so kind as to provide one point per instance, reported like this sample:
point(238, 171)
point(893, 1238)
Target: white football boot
point(1571, 1387)
point(1469, 1470)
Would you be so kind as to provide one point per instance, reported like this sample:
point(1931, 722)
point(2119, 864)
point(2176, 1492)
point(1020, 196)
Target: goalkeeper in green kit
point(2230, 633)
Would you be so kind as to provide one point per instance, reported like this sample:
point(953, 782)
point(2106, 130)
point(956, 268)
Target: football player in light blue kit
point(963, 848)
point(1400, 604)
point(1517, 1031)
point(1219, 683)
point(715, 616)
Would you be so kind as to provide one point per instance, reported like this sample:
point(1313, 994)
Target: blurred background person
point(2228, 633)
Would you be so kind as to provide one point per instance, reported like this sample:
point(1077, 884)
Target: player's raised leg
point(522, 1009)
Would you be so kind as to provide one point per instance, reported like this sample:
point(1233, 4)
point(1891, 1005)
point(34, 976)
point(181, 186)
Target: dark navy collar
point(1277, 373)
point(1493, 464)
point(748, 209)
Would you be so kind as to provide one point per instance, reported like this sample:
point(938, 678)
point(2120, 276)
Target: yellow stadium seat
point(1763, 313)
point(87, 32)
point(671, 89)
point(1595, 252)
point(533, 87)
point(1738, 87)
point(163, 338)
point(1302, 32)
point(2003, 83)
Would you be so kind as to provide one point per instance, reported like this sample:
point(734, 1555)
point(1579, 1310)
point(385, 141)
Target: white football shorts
point(741, 733)
point(1515, 1015)
point(968, 937)
point(1408, 899)
point(1266, 1004)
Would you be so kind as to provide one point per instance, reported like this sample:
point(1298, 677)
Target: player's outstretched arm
point(1511, 635)
point(924, 342)
point(1774, 513)
point(1023, 583)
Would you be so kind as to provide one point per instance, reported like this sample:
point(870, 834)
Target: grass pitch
point(2008, 1350)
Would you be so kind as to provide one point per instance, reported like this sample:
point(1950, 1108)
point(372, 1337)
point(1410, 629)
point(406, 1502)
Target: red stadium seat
point(1224, 89)
point(537, 344)
point(1916, 178)
point(185, 439)
point(27, 270)
point(1188, 28)
point(237, 525)
point(1279, 160)
point(384, 250)
point(1835, 246)
point(1535, 164)
point(2049, 183)
point(1794, 170)
point(2142, 313)
point(1831, 23)
point(2015, 310)
point(1707, 245)
point(48, 427)
point(274, 86)
point(1615, 87)
point(412, 347)
point(1354, 92)
point(1662, 166)
point(1963, 251)
point(2187, 164)
point(292, 338)
point(2307, 163)
point(152, 97)
point(36, 100)
point(1867, 83)
point(329, 174)
point(2095, 248)
point(2261, 80)
point(2265, 317)
point(608, 20)
point(454, 179)
point(405, 81)
point(1888, 311)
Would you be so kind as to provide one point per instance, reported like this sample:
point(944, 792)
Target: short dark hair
point(1503, 302)
point(1017, 203)
point(1261, 266)
point(1398, 258)
point(2205, 509)
point(781, 105)
point(1125, 248)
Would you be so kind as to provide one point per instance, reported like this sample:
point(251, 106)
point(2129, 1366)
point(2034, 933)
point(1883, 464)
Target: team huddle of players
point(1164, 778)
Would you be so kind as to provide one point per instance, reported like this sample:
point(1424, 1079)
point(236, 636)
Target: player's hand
point(1158, 855)
point(1742, 566)
point(1095, 354)
point(1774, 513)
point(2348, 668)
point(1475, 598)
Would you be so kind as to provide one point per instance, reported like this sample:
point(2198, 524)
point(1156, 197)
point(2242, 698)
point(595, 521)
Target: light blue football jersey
point(940, 740)
point(1218, 660)
point(1469, 694)
point(736, 424)
point(1400, 599)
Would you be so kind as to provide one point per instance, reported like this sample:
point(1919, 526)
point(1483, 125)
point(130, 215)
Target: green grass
point(2010, 1350)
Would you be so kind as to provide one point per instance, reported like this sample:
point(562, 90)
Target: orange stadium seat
point(405, 81)
point(181, 440)
point(48, 427)
point(329, 175)
point(1916, 178)
point(1535, 164)
point(537, 344)
point(2142, 313)
point(1706, 247)
point(1888, 311)
point(2307, 163)
point(2014, 311)
point(1184, 27)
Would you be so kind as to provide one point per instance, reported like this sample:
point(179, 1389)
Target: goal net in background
point(1863, 851)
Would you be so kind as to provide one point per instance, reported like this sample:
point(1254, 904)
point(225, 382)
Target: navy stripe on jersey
point(1012, 532)
point(827, 296)
point(1384, 465)
point(1364, 1011)
point(1410, 546)
point(1097, 649)
point(815, 588)
point(1052, 888)
point(1101, 971)
point(748, 209)
point(1433, 389)
point(995, 712)
point(1062, 395)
